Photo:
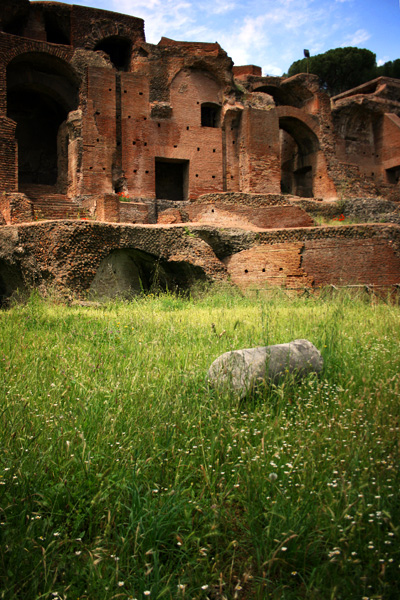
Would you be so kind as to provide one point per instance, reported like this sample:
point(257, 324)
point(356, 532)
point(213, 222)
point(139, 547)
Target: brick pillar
point(108, 208)
point(9, 158)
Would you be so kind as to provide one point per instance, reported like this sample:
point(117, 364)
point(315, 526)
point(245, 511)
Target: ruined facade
point(96, 123)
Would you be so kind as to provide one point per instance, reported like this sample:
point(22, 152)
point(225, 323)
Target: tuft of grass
point(123, 476)
point(338, 221)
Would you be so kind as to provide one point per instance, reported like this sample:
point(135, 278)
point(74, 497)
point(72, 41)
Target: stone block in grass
point(242, 370)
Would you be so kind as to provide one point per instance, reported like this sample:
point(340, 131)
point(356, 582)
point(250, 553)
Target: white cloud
point(162, 17)
point(222, 6)
point(272, 33)
point(382, 61)
point(271, 69)
point(359, 37)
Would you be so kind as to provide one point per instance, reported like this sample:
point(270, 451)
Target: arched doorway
point(299, 149)
point(128, 272)
point(41, 91)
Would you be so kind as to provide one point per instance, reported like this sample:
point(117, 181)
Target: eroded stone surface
point(79, 255)
point(242, 370)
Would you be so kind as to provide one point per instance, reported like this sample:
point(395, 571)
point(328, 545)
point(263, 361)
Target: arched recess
point(10, 281)
point(41, 91)
point(281, 98)
point(284, 96)
point(119, 50)
point(196, 97)
point(299, 148)
point(128, 272)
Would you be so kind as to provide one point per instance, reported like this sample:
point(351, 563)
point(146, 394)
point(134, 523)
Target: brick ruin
point(97, 124)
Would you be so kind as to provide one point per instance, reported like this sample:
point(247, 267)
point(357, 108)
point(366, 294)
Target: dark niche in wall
point(172, 179)
point(118, 49)
point(210, 114)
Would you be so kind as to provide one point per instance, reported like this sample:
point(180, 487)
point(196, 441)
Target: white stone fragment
point(241, 370)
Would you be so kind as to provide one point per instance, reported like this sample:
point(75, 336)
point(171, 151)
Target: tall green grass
point(123, 476)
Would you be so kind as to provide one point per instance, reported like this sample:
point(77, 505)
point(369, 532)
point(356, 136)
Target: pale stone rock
point(241, 370)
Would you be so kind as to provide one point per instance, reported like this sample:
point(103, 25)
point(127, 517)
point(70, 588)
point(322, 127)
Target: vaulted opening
point(41, 91)
point(280, 97)
point(172, 179)
point(38, 119)
point(130, 272)
point(298, 148)
point(118, 49)
point(210, 114)
point(284, 96)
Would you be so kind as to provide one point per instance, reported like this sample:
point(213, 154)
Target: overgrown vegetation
point(123, 476)
point(341, 69)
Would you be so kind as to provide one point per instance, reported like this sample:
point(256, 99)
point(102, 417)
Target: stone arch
point(272, 90)
point(299, 149)
point(127, 272)
point(284, 93)
point(281, 97)
point(41, 91)
point(11, 281)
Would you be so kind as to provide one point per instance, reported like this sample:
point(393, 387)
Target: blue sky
point(270, 33)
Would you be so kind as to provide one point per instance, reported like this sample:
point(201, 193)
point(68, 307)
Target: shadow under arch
point(299, 147)
point(41, 90)
point(280, 96)
point(129, 272)
point(11, 281)
point(285, 95)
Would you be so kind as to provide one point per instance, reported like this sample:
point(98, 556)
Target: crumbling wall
point(175, 120)
point(68, 255)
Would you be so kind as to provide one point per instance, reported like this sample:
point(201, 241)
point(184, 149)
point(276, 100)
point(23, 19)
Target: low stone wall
point(271, 216)
point(69, 255)
point(363, 255)
point(15, 208)
point(107, 208)
point(137, 212)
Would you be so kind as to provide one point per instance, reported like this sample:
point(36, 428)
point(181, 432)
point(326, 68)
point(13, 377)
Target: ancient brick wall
point(339, 261)
point(389, 144)
point(226, 209)
point(318, 257)
point(15, 208)
point(226, 215)
point(108, 208)
point(169, 122)
point(89, 26)
point(260, 170)
point(136, 212)
point(245, 70)
point(68, 255)
point(99, 132)
point(8, 153)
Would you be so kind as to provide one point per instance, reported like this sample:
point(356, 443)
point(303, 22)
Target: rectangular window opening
point(172, 179)
point(393, 175)
point(210, 114)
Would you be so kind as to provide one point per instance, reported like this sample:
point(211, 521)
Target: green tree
point(390, 69)
point(340, 69)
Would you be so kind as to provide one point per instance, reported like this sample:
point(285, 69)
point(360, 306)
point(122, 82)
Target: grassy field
point(123, 476)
